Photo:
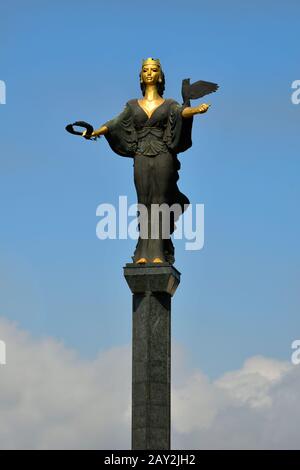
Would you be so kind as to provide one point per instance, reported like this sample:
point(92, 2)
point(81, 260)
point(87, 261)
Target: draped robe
point(153, 143)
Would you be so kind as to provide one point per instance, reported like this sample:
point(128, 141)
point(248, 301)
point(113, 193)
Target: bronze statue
point(153, 130)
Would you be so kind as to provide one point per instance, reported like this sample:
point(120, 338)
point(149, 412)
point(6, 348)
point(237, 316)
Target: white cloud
point(256, 407)
point(253, 384)
point(50, 398)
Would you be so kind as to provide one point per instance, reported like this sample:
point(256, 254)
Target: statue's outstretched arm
point(194, 91)
point(97, 132)
point(189, 112)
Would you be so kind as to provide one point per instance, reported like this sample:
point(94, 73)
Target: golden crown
point(151, 61)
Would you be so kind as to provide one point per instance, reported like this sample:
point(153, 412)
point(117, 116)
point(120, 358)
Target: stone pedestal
point(152, 286)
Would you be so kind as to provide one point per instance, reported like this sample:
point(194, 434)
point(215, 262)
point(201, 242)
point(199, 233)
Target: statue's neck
point(151, 93)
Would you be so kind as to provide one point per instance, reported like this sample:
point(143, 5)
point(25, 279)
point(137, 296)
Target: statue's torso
point(150, 130)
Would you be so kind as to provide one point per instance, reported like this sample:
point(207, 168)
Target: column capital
point(151, 277)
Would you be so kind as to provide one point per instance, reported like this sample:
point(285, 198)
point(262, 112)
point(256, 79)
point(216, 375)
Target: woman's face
point(150, 74)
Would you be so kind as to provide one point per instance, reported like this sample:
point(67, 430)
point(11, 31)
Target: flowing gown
point(153, 143)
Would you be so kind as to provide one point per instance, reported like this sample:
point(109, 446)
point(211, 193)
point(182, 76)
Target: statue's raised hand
point(84, 134)
point(202, 108)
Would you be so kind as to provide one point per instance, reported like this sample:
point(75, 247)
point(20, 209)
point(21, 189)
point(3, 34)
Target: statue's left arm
point(189, 111)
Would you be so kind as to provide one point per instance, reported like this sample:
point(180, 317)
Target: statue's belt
point(151, 141)
point(150, 131)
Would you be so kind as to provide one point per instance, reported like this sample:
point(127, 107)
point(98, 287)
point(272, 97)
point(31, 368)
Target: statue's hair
point(160, 85)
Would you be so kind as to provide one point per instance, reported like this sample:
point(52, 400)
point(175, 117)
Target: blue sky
point(64, 61)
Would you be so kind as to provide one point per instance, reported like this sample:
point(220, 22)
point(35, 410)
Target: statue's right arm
point(105, 129)
point(101, 131)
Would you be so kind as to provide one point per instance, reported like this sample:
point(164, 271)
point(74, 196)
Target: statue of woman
point(153, 130)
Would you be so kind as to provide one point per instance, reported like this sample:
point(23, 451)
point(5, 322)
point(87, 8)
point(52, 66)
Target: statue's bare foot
point(157, 260)
point(141, 261)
